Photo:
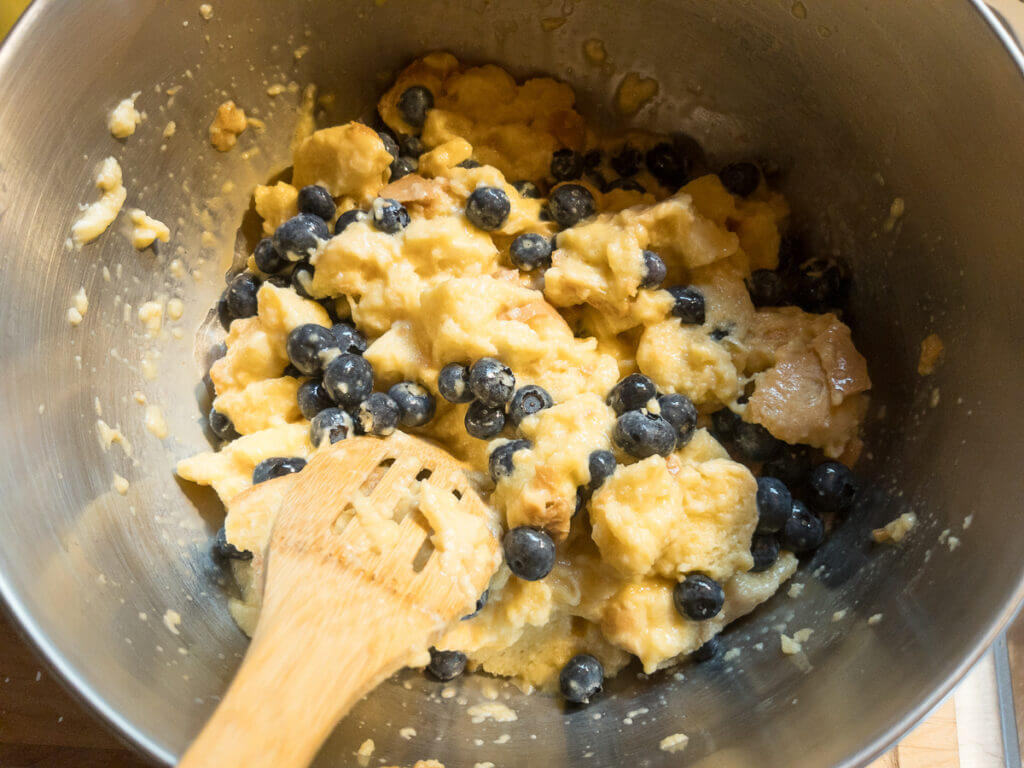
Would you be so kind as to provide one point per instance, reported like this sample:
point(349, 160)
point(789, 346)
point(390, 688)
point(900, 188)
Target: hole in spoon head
point(376, 474)
point(424, 474)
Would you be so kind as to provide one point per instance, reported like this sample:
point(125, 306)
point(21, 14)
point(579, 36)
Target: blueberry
point(591, 159)
point(570, 204)
point(278, 466)
point(803, 530)
point(625, 184)
point(313, 398)
point(740, 179)
point(491, 382)
point(767, 288)
point(755, 443)
point(291, 370)
point(221, 425)
point(453, 383)
point(719, 333)
point(469, 164)
point(653, 272)
point(642, 434)
point(487, 208)
point(681, 413)
point(297, 239)
point(416, 405)
point(403, 166)
point(792, 465)
point(500, 463)
point(241, 295)
point(414, 103)
point(526, 189)
point(632, 393)
point(267, 259)
point(316, 200)
point(627, 161)
point(310, 347)
point(484, 422)
point(530, 251)
point(667, 165)
point(349, 339)
point(765, 550)
point(834, 487)
point(688, 305)
point(601, 464)
point(446, 665)
point(224, 550)
point(224, 314)
point(527, 401)
point(411, 146)
point(774, 503)
point(708, 651)
point(821, 284)
point(378, 415)
point(301, 279)
point(581, 678)
point(329, 426)
point(480, 603)
point(698, 597)
point(530, 553)
point(390, 145)
point(349, 379)
point(723, 424)
point(349, 217)
point(566, 165)
point(389, 215)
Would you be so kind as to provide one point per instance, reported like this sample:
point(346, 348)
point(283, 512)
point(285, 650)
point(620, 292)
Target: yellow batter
point(444, 291)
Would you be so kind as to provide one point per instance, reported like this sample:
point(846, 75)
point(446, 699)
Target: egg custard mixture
point(649, 383)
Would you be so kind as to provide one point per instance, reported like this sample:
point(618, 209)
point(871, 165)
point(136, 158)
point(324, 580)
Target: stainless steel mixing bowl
point(857, 103)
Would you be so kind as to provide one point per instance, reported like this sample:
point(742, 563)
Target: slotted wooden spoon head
point(378, 546)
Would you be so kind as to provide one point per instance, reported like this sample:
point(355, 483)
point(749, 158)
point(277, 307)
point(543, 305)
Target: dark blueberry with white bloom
point(313, 398)
point(804, 531)
point(301, 279)
point(626, 184)
point(792, 465)
point(389, 215)
point(834, 487)
point(221, 425)
point(723, 424)
point(765, 550)
point(632, 393)
point(774, 504)
point(378, 415)
point(349, 217)
point(740, 179)
point(480, 603)
point(642, 434)
point(414, 103)
point(349, 338)
point(488, 208)
point(310, 347)
point(708, 651)
point(469, 164)
point(530, 251)
point(653, 273)
point(349, 379)
point(241, 295)
point(491, 382)
point(581, 678)
point(291, 370)
point(403, 166)
point(446, 665)
point(484, 422)
point(329, 426)
point(501, 464)
point(453, 383)
point(767, 288)
point(316, 200)
point(698, 597)
point(527, 401)
point(688, 304)
point(566, 165)
point(529, 552)
point(278, 466)
point(821, 284)
point(223, 313)
point(627, 161)
point(267, 259)
point(389, 143)
point(527, 189)
point(681, 413)
point(297, 239)
point(416, 405)
point(411, 146)
point(601, 464)
point(224, 550)
point(667, 165)
point(754, 443)
point(570, 204)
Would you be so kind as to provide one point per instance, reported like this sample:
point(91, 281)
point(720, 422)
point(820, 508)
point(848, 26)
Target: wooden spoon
point(378, 547)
